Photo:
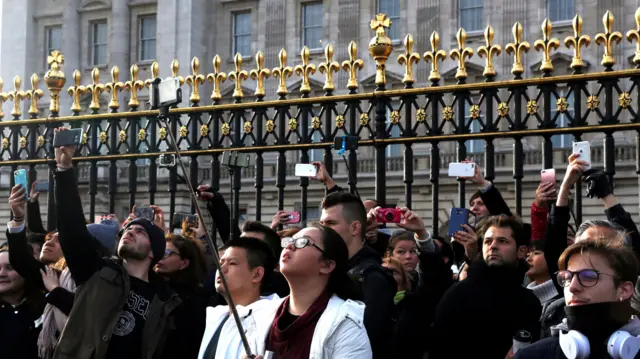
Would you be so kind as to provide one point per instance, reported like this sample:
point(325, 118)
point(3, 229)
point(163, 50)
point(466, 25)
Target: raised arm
point(490, 195)
point(80, 249)
point(34, 218)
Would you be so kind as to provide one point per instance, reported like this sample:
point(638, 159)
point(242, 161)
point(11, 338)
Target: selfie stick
point(341, 152)
point(163, 116)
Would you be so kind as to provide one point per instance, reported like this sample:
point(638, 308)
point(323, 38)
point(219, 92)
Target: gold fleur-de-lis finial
point(17, 96)
point(546, 45)
point(352, 66)
point(238, 76)
point(635, 34)
point(96, 88)
point(460, 53)
point(517, 48)
point(282, 73)
point(114, 87)
point(175, 68)
point(34, 94)
point(133, 86)
point(408, 59)
point(328, 68)
point(217, 77)
point(155, 73)
point(607, 38)
point(434, 56)
point(489, 50)
point(259, 74)
point(76, 91)
point(577, 41)
point(195, 80)
point(3, 98)
point(305, 70)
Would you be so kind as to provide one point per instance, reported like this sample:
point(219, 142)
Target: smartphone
point(70, 137)
point(306, 170)
point(458, 217)
point(42, 186)
point(167, 160)
point(583, 148)
point(178, 218)
point(349, 142)
point(144, 212)
point(20, 178)
point(294, 217)
point(548, 176)
point(462, 169)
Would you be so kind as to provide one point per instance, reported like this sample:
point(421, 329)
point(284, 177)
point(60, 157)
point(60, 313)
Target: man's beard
point(126, 252)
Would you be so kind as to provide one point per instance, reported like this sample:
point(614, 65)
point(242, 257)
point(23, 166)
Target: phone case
point(583, 148)
point(458, 217)
point(461, 169)
point(67, 138)
point(294, 217)
point(144, 212)
point(305, 170)
point(20, 178)
point(548, 176)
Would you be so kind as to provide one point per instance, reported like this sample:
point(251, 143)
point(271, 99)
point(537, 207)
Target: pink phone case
point(548, 176)
point(294, 217)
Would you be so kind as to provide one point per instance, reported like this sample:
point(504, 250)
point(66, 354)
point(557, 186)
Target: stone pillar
point(119, 35)
point(71, 48)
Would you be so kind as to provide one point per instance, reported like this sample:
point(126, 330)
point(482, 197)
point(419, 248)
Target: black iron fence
point(603, 102)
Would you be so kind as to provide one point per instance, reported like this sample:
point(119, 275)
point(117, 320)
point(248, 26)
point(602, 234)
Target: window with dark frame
point(470, 14)
point(242, 34)
point(560, 10)
point(147, 38)
point(392, 9)
point(99, 42)
point(312, 30)
point(53, 39)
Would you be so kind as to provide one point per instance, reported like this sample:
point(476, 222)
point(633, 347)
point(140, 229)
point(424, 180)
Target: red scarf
point(292, 340)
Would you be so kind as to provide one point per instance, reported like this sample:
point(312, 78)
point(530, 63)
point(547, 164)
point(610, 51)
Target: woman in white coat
point(318, 320)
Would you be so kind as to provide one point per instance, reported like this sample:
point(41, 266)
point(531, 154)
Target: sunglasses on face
point(299, 243)
point(586, 277)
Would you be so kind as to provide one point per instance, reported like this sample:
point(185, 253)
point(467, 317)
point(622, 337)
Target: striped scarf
point(54, 320)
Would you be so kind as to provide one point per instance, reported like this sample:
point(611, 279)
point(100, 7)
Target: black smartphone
point(350, 143)
point(42, 186)
point(70, 137)
point(143, 212)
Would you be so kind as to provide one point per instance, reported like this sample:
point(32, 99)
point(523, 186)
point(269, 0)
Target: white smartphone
point(306, 170)
point(462, 169)
point(583, 148)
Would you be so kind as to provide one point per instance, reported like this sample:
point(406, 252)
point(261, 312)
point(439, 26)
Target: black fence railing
point(128, 143)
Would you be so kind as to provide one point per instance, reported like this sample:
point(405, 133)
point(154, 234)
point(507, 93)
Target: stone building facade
point(107, 33)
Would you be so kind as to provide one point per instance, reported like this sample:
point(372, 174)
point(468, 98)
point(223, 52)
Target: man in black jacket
point(491, 305)
point(345, 214)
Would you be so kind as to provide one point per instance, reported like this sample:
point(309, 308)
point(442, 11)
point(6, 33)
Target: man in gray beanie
point(122, 309)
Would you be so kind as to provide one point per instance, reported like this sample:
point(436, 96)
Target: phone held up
point(20, 178)
point(42, 186)
point(144, 212)
point(583, 148)
point(548, 176)
point(71, 137)
point(294, 218)
point(462, 169)
point(306, 170)
point(458, 217)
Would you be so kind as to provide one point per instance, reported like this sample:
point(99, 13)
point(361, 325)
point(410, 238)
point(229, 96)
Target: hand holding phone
point(293, 218)
point(306, 170)
point(462, 169)
point(548, 176)
point(70, 137)
point(583, 149)
point(144, 212)
point(20, 178)
point(458, 217)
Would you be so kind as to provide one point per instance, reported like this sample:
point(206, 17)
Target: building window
point(392, 9)
point(313, 211)
point(99, 43)
point(315, 154)
point(470, 16)
point(473, 146)
point(562, 141)
point(147, 35)
point(559, 10)
point(53, 37)
point(312, 25)
point(242, 33)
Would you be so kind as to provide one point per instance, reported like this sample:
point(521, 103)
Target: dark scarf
point(597, 322)
point(294, 341)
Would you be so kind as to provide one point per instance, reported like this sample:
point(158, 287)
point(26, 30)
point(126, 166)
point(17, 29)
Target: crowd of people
point(345, 286)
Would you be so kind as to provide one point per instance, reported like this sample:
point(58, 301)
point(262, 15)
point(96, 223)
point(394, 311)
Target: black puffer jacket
point(19, 329)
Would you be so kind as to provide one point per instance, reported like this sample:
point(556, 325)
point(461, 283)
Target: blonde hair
point(405, 283)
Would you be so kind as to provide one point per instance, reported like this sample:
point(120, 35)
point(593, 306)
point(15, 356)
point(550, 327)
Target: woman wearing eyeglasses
point(598, 277)
point(318, 319)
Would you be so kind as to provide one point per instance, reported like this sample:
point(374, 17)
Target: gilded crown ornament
point(352, 66)
point(3, 97)
point(517, 48)
point(328, 67)
point(114, 87)
point(195, 80)
point(394, 117)
point(162, 133)
point(421, 115)
point(5, 143)
point(155, 73)
point(33, 95)
point(225, 129)
point(142, 134)
point(577, 41)
point(122, 136)
point(76, 91)
point(624, 100)
point(460, 53)
point(635, 35)
point(474, 111)
point(238, 76)
point(259, 74)
point(40, 141)
point(339, 121)
point(95, 89)
point(305, 70)
point(380, 47)
point(85, 139)
point(16, 96)
point(316, 123)
point(407, 60)
point(282, 72)
point(133, 86)
point(204, 130)
point(489, 50)
point(175, 69)
point(103, 137)
point(184, 131)
point(546, 45)
point(447, 113)
point(293, 124)
point(606, 39)
point(248, 127)
point(503, 109)
point(22, 142)
point(593, 102)
point(55, 80)
point(562, 104)
point(532, 107)
point(270, 125)
point(364, 119)
point(217, 77)
point(434, 56)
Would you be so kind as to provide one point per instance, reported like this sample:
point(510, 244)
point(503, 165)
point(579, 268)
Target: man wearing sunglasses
point(598, 277)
